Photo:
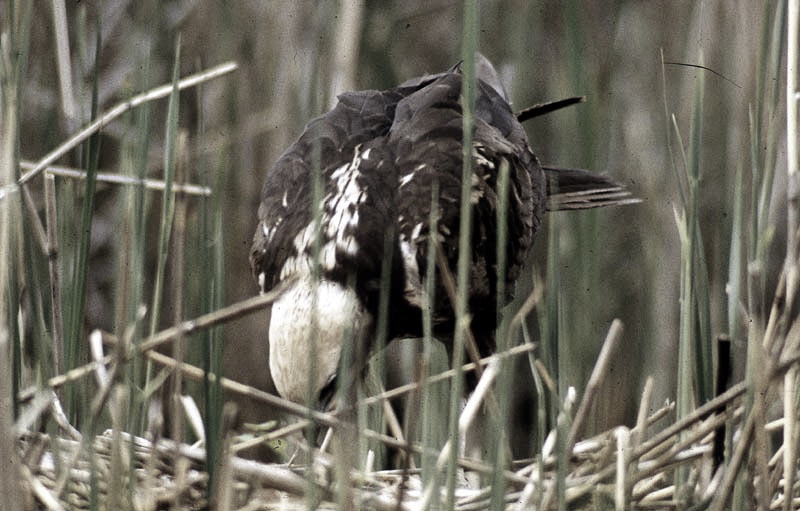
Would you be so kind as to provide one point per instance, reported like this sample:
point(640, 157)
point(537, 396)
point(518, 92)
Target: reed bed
point(83, 359)
point(623, 468)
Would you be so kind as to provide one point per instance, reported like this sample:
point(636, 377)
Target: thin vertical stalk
point(55, 273)
point(468, 49)
point(563, 425)
point(791, 382)
point(541, 414)
point(431, 400)
point(686, 355)
point(583, 286)
point(500, 441)
point(167, 206)
point(168, 203)
point(212, 287)
point(12, 56)
point(346, 51)
point(668, 134)
point(550, 314)
point(317, 194)
point(767, 106)
point(177, 269)
point(374, 417)
point(503, 181)
point(9, 479)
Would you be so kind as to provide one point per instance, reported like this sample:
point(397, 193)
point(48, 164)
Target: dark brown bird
point(376, 157)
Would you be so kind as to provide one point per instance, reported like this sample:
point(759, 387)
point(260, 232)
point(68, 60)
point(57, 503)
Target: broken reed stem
point(482, 390)
point(641, 419)
point(445, 375)
point(112, 178)
point(732, 472)
point(595, 381)
point(711, 406)
point(593, 385)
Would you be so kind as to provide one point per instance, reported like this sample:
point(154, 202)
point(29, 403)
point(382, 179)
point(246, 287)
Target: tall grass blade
point(668, 120)
point(213, 396)
point(695, 359)
point(550, 316)
point(700, 286)
point(736, 261)
point(373, 418)
point(211, 288)
point(132, 280)
point(63, 59)
point(74, 348)
point(76, 302)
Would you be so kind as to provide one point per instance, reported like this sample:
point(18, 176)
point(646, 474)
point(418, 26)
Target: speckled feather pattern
point(380, 153)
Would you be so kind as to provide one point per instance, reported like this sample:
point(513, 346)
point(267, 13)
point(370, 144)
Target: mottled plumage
point(378, 155)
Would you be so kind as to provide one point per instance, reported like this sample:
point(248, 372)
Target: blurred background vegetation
point(294, 57)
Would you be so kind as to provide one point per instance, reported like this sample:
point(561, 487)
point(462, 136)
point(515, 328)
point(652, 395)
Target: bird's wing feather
point(427, 139)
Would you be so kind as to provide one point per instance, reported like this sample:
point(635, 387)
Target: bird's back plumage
point(377, 156)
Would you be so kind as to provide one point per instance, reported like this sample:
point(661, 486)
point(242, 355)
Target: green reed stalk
point(468, 49)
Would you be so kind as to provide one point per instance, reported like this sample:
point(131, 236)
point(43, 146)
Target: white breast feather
point(308, 327)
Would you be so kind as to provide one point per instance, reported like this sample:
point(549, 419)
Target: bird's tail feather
point(540, 109)
point(581, 189)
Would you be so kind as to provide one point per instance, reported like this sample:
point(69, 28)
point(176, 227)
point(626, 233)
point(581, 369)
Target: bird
point(347, 213)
